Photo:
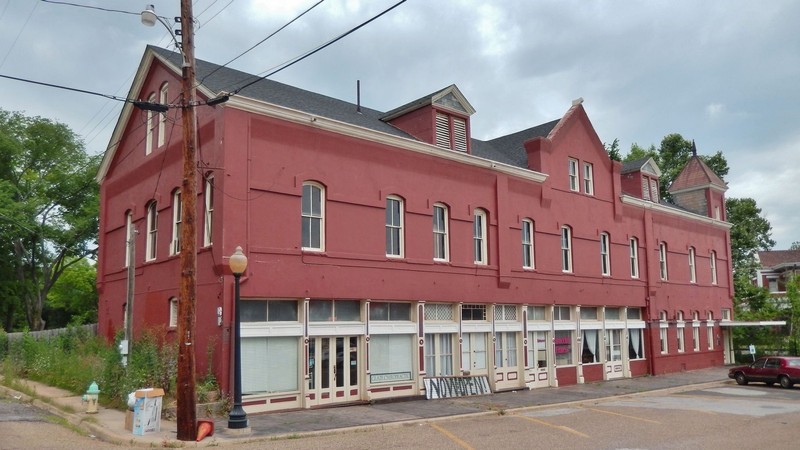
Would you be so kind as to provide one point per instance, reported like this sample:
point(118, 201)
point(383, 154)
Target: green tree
point(672, 156)
point(49, 208)
point(73, 298)
point(795, 245)
point(750, 232)
point(613, 150)
point(793, 297)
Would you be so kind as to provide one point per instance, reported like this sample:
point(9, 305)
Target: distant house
point(391, 252)
point(776, 268)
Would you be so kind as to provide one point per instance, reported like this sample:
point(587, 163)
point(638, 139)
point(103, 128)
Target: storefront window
point(591, 348)
point(259, 374)
point(390, 357)
point(563, 346)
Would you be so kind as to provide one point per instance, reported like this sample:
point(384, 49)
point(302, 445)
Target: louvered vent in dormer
point(442, 130)
point(451, 132)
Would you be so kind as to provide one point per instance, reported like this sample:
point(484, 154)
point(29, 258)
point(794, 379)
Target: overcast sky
point(725, 73)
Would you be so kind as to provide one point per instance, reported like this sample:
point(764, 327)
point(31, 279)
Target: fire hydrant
point(90, 398)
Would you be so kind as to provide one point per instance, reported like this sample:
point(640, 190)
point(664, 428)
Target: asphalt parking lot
point(719, 417)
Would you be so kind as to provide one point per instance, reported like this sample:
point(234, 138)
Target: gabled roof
point(776, 258)
point(509, 149)
point(214, 80)
point(448, 98)
point(696, 174)
point(646, 165)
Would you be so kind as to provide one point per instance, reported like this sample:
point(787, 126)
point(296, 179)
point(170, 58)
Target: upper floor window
point(566, 249)
point(148, 141)
point(692, 271)
point(128, 232)
point(662, 260)
point(209, 210)
point(441, 250)
point(634, 256)
point(177, 213)
point(645, 188)
point(162, 117)
point(389, 311)
point(439, 312)
point(726, 314)
point(588, 179)
point(313, 216)
point(152, 231)
point(527, 244)
point(654, 190)
point(268, 310)
point(713, 263)
point(333, 310)
point(573, 174)
point(473, 312)
point(505, 312)
point(589, 313)
point(451, 132)
point(562, 313)
point(634, 313)
point(479, 237)
point(394, 226)
point(537, 313)
point(605, 255)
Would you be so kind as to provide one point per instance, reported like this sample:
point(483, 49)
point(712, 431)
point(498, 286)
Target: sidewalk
point(109, 425)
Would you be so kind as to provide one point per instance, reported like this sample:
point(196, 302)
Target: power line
point(133, 13)
point(18, 35)
point(261, 41)
point(215, 14)
point(319, 48)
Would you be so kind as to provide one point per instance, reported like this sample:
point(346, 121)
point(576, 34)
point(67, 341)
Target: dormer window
point(451, 132)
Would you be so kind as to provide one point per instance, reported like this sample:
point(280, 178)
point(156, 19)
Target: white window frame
point(441, 238)
point(692, 266)
point(152, 231)
point(605, 254)
point(173, 312)
point(148, 140)
point(634, 257)
point(566, 249)
point(479, 244)
point(662, 261)
point(573, 175)
point(528, 249)
point(395, 227)
point(177, 218)
point(710, 330)
point(680, 326)
point(208, 226)
point(696, 331)
point(505, 349)
point(162, 117)
point(588, 178)
point(439, 356)
point(713, 264)
point(311, 216)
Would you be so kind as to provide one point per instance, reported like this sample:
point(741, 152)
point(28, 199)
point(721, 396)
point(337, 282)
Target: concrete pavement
point(109, 424)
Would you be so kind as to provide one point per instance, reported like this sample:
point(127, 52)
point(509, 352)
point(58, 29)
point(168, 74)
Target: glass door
point(614, 368)
point(333, 369)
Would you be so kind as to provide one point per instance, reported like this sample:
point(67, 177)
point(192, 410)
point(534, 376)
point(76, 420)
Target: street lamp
point(237, 418)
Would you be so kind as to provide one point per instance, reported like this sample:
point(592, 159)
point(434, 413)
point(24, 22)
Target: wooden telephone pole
point(186, 411)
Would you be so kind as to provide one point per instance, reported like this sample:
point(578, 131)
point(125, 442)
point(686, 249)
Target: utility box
point(147, 411)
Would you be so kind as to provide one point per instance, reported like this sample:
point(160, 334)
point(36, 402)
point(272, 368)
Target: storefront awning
point(758, 323)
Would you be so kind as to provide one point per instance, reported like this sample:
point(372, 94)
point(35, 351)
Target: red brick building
point(391, 254)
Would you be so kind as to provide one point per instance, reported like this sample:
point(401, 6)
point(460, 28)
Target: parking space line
point(451, 436)
point(618, 414)
point(560, 427)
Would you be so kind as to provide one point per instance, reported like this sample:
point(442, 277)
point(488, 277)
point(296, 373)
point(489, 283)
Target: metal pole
point(237, 418)
point(186, 410)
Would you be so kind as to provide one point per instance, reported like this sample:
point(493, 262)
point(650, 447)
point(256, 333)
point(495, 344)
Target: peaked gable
point(697, 175)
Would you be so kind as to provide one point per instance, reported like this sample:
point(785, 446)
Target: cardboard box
point(147, 411)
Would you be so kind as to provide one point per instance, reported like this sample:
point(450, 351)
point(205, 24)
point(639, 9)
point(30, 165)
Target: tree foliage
point(750, 232)
point(73, 298)
point(48, 211)
point(613, 150)
point(672, 156)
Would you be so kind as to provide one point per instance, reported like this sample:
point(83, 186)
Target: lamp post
point(187, 403)
point(237, 418)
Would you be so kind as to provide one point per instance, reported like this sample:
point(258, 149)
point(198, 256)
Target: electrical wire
point(133, 13)
point(261, 41)
point(14, 43)
point(215, 14)
point(319, 48)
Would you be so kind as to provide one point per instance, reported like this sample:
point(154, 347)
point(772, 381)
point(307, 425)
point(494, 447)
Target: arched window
point(152, 231)
point(441, 245)
point(566, 249)
point(662, 260)
point(208, 194)
point(162, 117)
point(634, 256)
point(528, 260)
point(605, 254)
point(479, 244)
point(313, 217)
point(394, 226)
point(148, 142)
point(177, 218)
point(692, 267)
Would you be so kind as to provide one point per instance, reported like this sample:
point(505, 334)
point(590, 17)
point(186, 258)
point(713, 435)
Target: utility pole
point(129, 298)
point(186, 410)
